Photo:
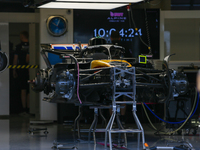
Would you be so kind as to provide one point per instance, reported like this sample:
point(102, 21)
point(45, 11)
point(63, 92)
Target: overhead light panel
point(104, 1)
point(65, 5)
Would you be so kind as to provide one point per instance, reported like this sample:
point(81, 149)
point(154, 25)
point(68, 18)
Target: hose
point(191, 113)
point(148, 117)
point(169, 121)
point(149, 70)
point(148, 75)
point(184, 121)
point(169, 83)
point(133, 21)
point(78, 76)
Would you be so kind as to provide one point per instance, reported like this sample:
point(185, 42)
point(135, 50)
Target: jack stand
point(122, 130)
point(94, 123)
point(97, 112)
point(130, 92)
point(116, 111)
point(93, 126)
point(120, 127)
point(77, 123)
point(140, 128)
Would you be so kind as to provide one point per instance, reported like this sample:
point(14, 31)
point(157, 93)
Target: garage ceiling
point(20, 5)
point(185, 4)
point(29, 5)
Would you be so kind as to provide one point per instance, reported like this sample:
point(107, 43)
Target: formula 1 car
point(87, 75)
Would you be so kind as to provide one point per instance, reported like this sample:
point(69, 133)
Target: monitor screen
point(91, 23)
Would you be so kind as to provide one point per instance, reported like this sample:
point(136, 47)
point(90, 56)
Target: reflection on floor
point(14, 136)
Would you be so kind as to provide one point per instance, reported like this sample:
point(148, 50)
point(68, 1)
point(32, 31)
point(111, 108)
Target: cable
point(169, 83)
point(147, 28)
point(191, 114)
point(185, 121)
point(109, 53)
point(76, 62)
point(169, 121)
point(137, 30)
point(153, 3)
point(77, 79)
point(144, 120)
point(148, 75)
point(148, 117)
point(78, 84)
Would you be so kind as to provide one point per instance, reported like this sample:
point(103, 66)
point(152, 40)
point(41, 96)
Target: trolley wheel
point(171, 130)
point(187, 131)
point(46, 132)
point(54, 148)
point(194, 132)
point(179, 132)
point(30, 132)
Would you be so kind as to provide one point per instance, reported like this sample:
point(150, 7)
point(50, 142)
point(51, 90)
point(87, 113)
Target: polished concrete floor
point(14, 136)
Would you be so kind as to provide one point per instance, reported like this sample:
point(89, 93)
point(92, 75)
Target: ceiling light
point(60, 5)
point(106, 1)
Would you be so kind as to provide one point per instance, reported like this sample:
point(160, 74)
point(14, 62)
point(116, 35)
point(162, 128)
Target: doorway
point(14, 40)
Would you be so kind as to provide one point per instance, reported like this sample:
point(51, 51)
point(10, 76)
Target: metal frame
point(94, 123)
point(77, 123)
point(97, 112)
point(131, 94)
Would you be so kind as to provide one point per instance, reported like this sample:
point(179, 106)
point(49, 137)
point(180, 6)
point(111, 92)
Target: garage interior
point(162, 109)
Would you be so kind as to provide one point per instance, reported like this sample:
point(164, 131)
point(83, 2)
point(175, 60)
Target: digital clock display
point(92, 23)
point(129, 33)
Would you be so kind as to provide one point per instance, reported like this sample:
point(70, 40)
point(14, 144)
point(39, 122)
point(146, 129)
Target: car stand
point(130, 94)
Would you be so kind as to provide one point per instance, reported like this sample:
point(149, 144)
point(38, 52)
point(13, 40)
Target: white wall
point(180, 34)
point(183, 38)
point(34, 50)
point(45, 37)
point(5, 20)
point(19, 17)
point(48, 111)
point(4, 77)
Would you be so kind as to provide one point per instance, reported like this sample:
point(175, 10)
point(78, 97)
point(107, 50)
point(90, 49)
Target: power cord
point(154, 4)
point(184, 121)
point(136, 29)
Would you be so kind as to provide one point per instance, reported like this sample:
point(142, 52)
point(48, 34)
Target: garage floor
point(14, 136)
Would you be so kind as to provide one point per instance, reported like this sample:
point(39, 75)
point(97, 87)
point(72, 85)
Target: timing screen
point(91, 23)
